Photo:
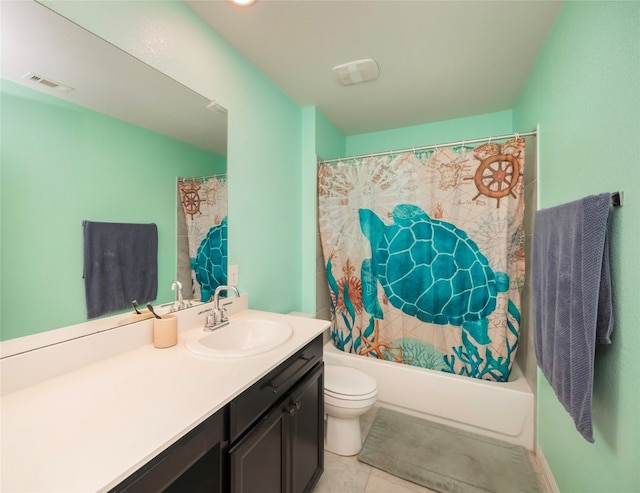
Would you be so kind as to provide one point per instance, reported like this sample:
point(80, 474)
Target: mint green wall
point(62, 163)
point(307, 202)
point(585, 93)
point(330, 142)
point(472, 127)
point(264, 131)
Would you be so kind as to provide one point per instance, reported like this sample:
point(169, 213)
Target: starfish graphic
point(375, 346)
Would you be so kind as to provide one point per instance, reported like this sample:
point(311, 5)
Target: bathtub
point(504, 411)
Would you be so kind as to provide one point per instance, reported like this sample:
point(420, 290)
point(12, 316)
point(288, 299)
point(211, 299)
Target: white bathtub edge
point(504, 411)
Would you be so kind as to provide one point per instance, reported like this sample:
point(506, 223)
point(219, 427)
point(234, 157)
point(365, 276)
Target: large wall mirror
point(92, 133)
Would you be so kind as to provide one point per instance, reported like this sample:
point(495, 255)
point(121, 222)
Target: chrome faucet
point(179, 304)
point(217, 316)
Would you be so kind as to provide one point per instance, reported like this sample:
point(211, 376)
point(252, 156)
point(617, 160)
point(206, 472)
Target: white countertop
point(88, 429)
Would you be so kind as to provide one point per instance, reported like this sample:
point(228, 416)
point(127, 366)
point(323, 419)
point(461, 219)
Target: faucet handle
point(212, 319)
point(223, 314)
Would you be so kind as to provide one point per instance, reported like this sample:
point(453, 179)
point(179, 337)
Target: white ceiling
point(105, 78)
point(438, 59)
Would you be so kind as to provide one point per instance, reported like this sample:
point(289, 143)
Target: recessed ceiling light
point(244, 3)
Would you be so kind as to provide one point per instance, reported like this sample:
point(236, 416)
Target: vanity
point(137, 418)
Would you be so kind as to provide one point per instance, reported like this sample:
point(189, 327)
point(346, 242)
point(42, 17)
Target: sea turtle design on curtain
point(210, 263)
point(429, 269)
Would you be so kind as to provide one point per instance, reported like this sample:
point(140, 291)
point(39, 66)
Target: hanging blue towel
point(120, 265)
point(572, 299)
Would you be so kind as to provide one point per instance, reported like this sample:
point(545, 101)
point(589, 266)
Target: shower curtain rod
point(201, 178)
point(434, 146)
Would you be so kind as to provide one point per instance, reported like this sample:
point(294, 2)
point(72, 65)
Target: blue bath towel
point(120, 265)
point(572, 299)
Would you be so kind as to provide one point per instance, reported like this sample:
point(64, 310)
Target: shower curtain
point(204, 202)
point(424, 255)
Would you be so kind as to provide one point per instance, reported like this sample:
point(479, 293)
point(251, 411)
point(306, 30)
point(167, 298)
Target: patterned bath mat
point(446, 459)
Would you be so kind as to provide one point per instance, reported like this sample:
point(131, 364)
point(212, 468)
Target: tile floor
point(349, 475)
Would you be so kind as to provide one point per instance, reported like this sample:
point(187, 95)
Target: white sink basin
point(245, 337)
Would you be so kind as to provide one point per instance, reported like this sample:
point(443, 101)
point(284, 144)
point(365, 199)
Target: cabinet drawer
point(259, 398)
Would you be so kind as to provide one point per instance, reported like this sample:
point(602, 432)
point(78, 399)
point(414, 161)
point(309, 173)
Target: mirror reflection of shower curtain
point(424, 253)
point(203, 203)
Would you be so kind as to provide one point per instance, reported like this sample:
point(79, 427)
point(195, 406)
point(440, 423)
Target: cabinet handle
point(275, 386)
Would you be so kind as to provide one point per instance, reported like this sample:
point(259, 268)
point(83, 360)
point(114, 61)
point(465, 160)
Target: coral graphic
point(419, 353)
point(351, 285)
point(469, 362)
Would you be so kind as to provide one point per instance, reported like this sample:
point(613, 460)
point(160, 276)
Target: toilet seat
point(347, 397)
point(347, 383)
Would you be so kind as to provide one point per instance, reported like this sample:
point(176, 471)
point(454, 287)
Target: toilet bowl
point(348, 394)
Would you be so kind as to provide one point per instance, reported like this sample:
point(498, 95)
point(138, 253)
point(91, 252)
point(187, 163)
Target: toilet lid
point(348, 381)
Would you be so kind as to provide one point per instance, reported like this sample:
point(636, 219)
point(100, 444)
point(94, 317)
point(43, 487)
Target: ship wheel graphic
point(190, 197)
point(497, 176)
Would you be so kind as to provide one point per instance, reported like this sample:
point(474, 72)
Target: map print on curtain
point(204, 202)
point(424, 254)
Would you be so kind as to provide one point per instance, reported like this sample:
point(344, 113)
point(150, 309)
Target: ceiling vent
point(356, 72)
point(38, 79)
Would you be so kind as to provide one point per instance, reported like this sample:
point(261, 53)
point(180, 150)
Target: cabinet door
point(306, 415)
point(258, 461)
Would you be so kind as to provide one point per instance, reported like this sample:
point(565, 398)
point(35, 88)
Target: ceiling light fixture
point(244, 3)
point(357, 72)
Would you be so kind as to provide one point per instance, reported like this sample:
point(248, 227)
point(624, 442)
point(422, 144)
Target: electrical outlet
point(232, 275)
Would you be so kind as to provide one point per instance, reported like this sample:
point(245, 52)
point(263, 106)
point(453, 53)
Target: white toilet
point(348, 394)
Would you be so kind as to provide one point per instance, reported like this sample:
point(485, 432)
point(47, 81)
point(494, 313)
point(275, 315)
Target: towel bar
point(617, 199)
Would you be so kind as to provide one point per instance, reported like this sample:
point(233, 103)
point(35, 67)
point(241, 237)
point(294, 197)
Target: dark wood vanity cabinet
point(194, 463)
point(307, 432)
point(280, 450)
point(283, 452)
point(269, 439)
